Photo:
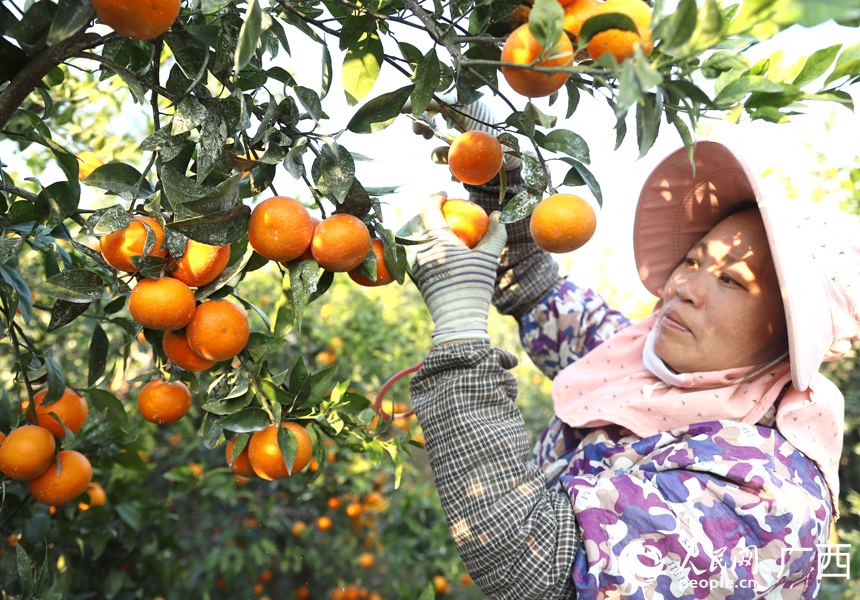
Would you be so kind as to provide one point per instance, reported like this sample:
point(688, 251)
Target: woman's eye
point(726, 279)
point(690, 262)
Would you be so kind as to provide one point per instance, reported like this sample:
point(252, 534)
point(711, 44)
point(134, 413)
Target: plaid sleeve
point(526, 274)
point(517, 539)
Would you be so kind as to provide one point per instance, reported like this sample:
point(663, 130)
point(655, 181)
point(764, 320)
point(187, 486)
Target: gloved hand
point(455, 282)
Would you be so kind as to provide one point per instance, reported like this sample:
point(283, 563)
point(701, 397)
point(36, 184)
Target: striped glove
point(455, 282)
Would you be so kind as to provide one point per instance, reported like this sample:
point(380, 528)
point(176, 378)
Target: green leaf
point(361, 67)
point(379, 113)
point(218, 229)
point(315, 387)
point(604, 22)
point(534, 114)
point(848, 64)
point(71, 16)
point(816, 65)
point(412, 54)
point(429, 593)
point(723, 60)
point(73, 285)
point(200, 199)
point(56, 203)
point(119, 178)
point(533, 174)
point(738, 89)
point(249, 36)
point(590, 181)
point(572, 98)
point(572, 144)
point(99, 347)
point(130, 515)
point(214, 132)
point(14, 59)
point(708, 32)
point(113, 219)
point(333, 171)
point(230, 272)
point(188, 115)
point(677, 28)
point(326, 72)
point(648, 113)
point(303, 279)
point(546, 23)
point(31, 29)
point(228, 406)
point(56, 382)
point(520, 206)
point(106, 403)
point(288, 444)
point(310, 101)
point(64, 312)
point(394, 254)
point(426, 80)
point(246, 420)
point(26, 576)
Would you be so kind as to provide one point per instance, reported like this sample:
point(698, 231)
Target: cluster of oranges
point(29, 453)
point(522, 48)
point(262, 456)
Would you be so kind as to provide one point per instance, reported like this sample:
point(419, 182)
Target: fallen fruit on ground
point(620, 43)
point(522, 48)
point(164, 304)
point(475, 157)
point(27, 452)
point(75, 475)
point(265, 455)
point(138, 19)
point(162, 402)
point(201, 263)
point(383, 275)
point(562, 223)
point(118, 247)
point(218, 331)
point(280, 228)
point(242, 464)
point(180, 353)
point(70, 408)
point(466, 219)
point(340, 243)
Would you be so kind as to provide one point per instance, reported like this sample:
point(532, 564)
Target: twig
point(377, 15)
point(156, 67)
point(145, 82)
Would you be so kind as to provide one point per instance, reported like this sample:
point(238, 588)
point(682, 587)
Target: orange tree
point(87, 291)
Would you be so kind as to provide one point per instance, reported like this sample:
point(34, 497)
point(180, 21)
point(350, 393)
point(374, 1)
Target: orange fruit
point(280, 228)
point(441, 584)
point(138, 19)
point(118, 247)
point(324, 523)
point(335, 503)
point(265, 455)
point(222, 585)
point(576, 13)
point(383, 276)
point(201, 263)
point(70, 408)
point(314, 465)
point(241, 465)
point(180, 353)
point(307, 254)
point(26, 452)
point(197, 469)
point(265, 576)
point(466, 580)
point(162, 402)
point(218, 331)
point(374, 596)
point(298, 528)
point(562, 223)
point(354, 509)
point(2, 437)
point(303, 592)
point(164, 304)
point(340, 243)
point(366, 560)
point(466, 219)
point(89, 162)
point(475, 157)
point(617, 42)
point(258, 588)
point(351, 592)
point(75, 475)
point(97, 494)
point(522, 48)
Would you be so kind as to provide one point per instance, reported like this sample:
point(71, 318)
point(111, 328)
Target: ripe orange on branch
point(75, 475)
point(475, 157)
point(383, 275)
point(522, 48)
point(620, 43)
point(162, 402)
point(27, 452)
point(242, 464)
point(164, 304)
point(265, 455)
point(118, 247)
point(562, 223)
point(218, 331)
point(70, 408)
point(138, 19)
point(466, 219)
point(575, 15)
point(340, 243)
point(201, 263)
point(180, 353)
point(280, 228)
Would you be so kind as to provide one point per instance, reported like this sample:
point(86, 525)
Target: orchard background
point(238, 102)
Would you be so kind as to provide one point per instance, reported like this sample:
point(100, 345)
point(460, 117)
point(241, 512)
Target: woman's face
point(722, 304)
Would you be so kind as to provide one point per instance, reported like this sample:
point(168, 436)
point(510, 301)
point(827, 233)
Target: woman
point(693, 454)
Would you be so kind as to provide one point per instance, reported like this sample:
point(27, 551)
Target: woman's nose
point(688, 289)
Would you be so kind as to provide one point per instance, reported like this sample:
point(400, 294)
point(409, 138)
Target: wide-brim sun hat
point(815, 248)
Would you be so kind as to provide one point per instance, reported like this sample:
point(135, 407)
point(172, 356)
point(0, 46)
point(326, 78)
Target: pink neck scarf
point(612, 384)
